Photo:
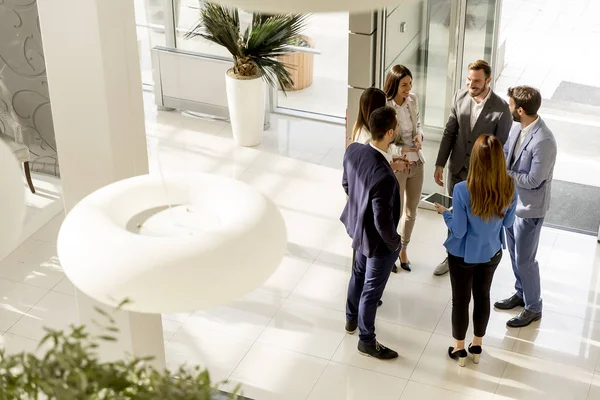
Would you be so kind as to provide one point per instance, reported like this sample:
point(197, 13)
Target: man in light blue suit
point(531, 154)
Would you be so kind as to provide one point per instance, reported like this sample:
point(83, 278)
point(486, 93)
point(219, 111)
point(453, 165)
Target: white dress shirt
point(364, 136)
point(477, 108)
point(387, 155)
point(406, 129)
point(524, 132)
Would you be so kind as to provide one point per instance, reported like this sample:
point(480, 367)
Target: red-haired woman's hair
point(491, 188)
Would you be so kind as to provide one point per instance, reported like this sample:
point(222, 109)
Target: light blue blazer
point(532, 166)
point(472, 238)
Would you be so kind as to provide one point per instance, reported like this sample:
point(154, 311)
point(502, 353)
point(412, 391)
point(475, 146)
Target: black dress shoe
point(376, 350)
point(405, 266)
point(524, 318)
point(395, 269)
point(476, 351)
point(460, 355)
point(510, 303)
point(351, 326)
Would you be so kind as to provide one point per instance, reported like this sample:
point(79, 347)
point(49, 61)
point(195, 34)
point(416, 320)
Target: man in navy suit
point(371, 218)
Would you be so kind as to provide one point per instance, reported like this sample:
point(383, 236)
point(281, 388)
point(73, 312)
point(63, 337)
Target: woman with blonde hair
point(397, 87)
point(483, 206)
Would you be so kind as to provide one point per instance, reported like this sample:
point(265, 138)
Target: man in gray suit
point(530, 155)
point(476, 110)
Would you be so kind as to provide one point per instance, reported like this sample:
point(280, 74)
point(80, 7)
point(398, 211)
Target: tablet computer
point(439, 198)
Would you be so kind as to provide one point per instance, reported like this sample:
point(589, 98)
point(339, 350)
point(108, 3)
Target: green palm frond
point(255, 50)
point(275, 74)
point(270, 38)
point(219, 25)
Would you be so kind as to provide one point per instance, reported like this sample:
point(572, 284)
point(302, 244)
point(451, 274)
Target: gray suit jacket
point(458, 139)
point(532, 166)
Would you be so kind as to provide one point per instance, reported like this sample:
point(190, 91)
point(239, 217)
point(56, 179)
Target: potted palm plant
point(254, 50)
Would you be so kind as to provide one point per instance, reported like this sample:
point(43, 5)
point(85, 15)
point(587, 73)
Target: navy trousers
point(368, 280)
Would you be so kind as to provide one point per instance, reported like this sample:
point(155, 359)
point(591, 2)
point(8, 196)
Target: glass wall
point(185, 14)
point(320, 67)
point(320, 70)
point(165, 23)
point(150, 22)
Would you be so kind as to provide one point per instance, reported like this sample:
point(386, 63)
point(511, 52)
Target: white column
point(96, 95)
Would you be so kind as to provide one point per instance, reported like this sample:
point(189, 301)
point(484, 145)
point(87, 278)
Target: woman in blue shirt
point(483, 206)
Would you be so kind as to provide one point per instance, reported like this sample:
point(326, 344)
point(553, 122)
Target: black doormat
point(577, 93)
point(574, 207)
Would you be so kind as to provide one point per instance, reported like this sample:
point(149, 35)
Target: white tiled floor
point(41, 206)
point(286, 339)
point(571, 31)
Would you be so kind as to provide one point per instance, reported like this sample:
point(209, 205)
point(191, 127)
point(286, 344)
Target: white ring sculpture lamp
point(172, 246)
point(305, 6)
point(12, 200)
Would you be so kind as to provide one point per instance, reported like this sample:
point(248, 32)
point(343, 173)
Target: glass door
point(480, 26)
point(436, 40)
point(421, 35)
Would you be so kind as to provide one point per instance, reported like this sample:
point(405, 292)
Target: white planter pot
point(246, 102)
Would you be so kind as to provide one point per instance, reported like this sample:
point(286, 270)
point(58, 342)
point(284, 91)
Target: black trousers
point(467, 278)
point(454, 179)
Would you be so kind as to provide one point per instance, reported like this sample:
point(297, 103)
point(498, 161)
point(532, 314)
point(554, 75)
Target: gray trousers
point(523, 239)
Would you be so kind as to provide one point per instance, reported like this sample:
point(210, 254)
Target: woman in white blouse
point(398, 84)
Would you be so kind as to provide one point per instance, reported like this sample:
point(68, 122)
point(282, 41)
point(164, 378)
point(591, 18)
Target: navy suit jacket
point(372, 211)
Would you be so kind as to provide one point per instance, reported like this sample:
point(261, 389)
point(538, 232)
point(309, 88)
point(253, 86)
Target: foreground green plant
point(71, 370)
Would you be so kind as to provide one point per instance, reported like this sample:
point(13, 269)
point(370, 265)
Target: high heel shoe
point(461, 355)
point(476, 351)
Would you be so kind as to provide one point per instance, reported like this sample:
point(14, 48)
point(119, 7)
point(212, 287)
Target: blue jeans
point(523, 239)
point(368, 280)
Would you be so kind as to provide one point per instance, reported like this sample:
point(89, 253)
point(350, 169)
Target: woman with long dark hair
point(371, 99)
point(483, 206)
point(398, 86)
